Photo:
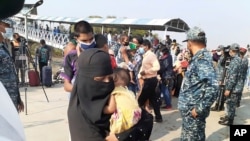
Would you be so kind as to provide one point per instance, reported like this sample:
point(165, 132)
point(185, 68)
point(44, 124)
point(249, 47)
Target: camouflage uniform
point(234, 85)
point(199, 91)
point(220, 69)
point(243, 76)
point(219, 73)
point(8, 75)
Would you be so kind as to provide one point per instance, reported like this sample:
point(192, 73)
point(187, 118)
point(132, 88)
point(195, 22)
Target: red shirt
point(113, 62)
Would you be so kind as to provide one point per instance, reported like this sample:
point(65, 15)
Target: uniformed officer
point(219, 72)
point(7, 70)
point(199, 88)
point(243, 73)
point(233, 85)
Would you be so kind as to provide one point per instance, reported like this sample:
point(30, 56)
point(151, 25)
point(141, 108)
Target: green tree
point(94, 16)
point(111, 17)
point(138, 32)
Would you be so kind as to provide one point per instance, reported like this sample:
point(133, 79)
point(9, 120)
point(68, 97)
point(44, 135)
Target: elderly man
point(199, 88)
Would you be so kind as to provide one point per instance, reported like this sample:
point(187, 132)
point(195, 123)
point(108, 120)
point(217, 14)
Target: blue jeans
point(166, 94)
point(132, 87)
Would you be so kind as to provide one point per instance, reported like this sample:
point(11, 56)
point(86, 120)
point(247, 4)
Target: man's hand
point(20, 107)
point(227, 92)
point(142, 73)
point(111, 137)
point(193, 112)
point(132, 81)
point(220, 83)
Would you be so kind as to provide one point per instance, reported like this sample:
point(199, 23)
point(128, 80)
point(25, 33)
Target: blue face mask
point(88, 45)
point(141, 51)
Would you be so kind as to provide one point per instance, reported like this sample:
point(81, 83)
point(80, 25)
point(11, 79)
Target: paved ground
point(48, 121)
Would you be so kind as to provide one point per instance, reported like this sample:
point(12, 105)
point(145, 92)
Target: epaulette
point(201, 56)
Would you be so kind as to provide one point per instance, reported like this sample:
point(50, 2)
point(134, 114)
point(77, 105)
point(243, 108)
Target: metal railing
point(57, 40)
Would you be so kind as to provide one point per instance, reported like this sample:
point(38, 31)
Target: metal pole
point(26, 37)
point(26, 27)
point(25, 90)
point(102, 29)
point(129, 30)
point(166, 28)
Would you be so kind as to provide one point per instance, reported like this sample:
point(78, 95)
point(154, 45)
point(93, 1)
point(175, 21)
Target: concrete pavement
point(47, 121)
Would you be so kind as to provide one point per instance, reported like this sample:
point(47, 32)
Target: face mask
point(161, 54)
point(219, 53)
point(141, 51)
point(126, 43)
point(8, 33)
point(88, 45)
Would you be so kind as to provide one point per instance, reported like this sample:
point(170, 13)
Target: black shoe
point(238, 105)
point(226, 122)
point(214, 108)
point(223, 118)
point(158, 120)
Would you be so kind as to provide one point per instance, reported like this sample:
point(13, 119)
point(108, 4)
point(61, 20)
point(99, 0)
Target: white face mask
point(8, 33)
point(219, 53)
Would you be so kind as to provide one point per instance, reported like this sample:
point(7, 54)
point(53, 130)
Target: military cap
point(235, 46)
point(195, 34)
point(220, 47)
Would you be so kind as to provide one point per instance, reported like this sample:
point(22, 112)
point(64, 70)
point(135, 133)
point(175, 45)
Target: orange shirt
point(150, 65)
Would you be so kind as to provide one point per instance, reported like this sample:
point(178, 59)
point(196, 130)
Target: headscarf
point(89, 96)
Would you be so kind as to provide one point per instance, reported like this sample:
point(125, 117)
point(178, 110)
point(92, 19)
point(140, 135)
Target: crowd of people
point(102, 81)
point(146, 74)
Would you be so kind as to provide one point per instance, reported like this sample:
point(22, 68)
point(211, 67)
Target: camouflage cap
point(220, 47)
point(195, 34)
point(8, 21)
point(235, 46)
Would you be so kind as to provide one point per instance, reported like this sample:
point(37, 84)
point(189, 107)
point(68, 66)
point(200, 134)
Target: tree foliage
point(95, 16)
point(111, 17)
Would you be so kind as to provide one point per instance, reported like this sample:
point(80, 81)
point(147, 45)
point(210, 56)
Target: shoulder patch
point(201, 56)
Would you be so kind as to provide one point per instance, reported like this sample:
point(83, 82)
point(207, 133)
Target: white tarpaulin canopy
point(171, 24)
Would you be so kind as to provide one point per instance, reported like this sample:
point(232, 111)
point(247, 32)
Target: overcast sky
point(224, 21)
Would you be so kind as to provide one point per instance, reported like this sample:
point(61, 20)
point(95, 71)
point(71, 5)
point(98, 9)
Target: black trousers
point(139, 132)
point(178, 80)
point(149, 93)
point(41, 65)
point(20, 67)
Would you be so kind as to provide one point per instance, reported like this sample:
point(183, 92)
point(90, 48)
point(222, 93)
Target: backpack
point(43, 55)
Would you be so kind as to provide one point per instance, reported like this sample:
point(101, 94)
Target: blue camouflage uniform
point(243, 76)
point(199, 90)
point(220, 69)
point(8, 75)
point(233, 84)
point(219, 73)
